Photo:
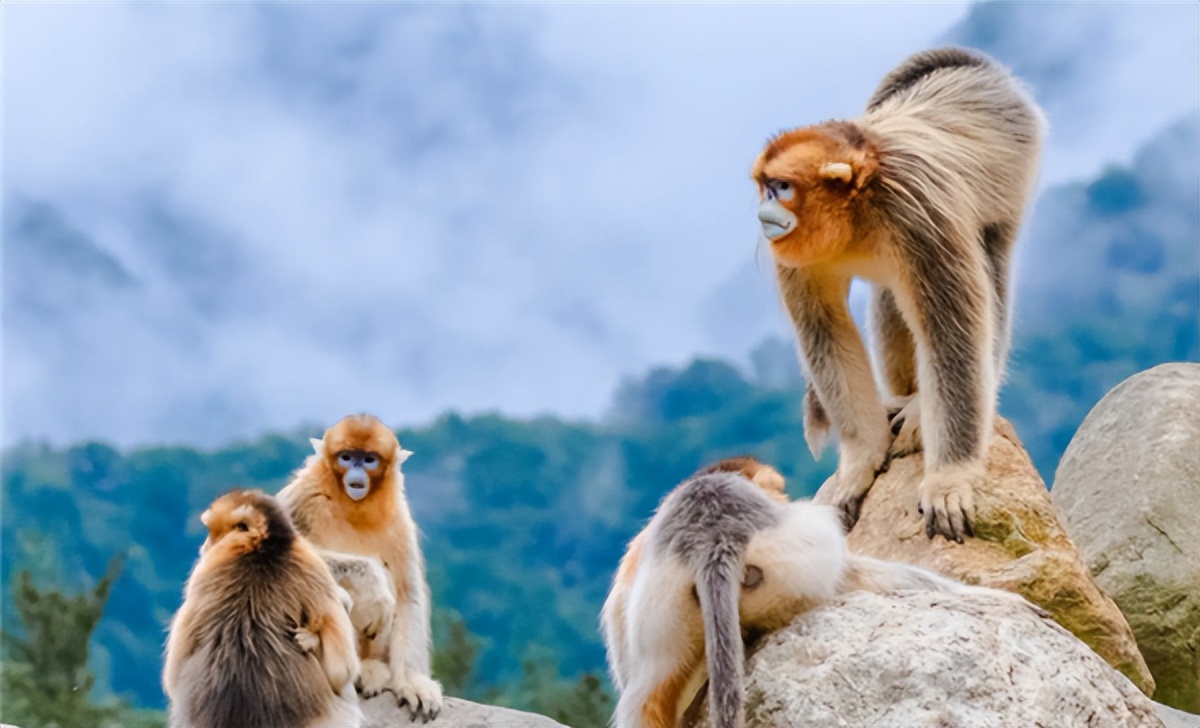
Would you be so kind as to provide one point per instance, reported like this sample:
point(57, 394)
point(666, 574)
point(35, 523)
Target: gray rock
point(382, 712)
point(925, 659)
point(1127, 492)
point(1173, 718)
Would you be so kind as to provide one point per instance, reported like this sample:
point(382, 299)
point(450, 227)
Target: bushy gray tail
point(707, 523)
point(718, 584)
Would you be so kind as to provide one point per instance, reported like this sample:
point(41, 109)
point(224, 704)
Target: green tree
point(454, 661)
point(46, 680)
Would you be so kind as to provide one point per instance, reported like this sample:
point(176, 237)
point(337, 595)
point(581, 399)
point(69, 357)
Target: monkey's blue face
point(777, 221)
point(357, 466)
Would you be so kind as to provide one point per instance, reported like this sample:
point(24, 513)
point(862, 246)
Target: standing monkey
point(262, 639)
point(923, 196)
point(348, 500)
point(726, 558)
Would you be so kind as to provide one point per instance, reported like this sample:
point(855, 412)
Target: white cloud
point(406, 208)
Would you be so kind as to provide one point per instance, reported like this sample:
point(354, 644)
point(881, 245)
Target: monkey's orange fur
point(234, 629)
point(331, 520)
point(379, 525)
point(830, 205)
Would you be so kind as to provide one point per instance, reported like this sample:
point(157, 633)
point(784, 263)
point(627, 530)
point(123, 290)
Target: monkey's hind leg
point(896, 362)
point(666, 646)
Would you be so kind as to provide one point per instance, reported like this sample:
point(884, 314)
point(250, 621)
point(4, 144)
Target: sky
point(221, 219)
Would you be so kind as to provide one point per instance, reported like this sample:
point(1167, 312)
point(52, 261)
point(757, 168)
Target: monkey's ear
point(205, 517)
point(317, 445)
point(402, 455)
point(840, 171)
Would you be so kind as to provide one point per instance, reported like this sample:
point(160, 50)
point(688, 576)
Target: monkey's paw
point(849, 487)
point(308, 641)
point(422, 694)
point(904, 415)
point(947, 500)
point(373, 678)
point(372, 617)
point(374, 602)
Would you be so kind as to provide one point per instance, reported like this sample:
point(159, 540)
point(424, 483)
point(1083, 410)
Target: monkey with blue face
point(923, 196)
point(348, 500)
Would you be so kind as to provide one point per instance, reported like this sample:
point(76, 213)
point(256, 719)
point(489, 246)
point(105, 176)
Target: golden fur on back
point(235, 657)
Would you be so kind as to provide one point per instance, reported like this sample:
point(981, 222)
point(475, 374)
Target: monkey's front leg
point(956, 371)
point(840, 375)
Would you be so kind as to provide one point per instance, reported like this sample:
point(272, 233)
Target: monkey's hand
point(308, 641)
point(421, 693)
point(947, 500)
point(373, 678)
point(374, 606)
point(373, 597)
point(904, 415)
point(846, 489)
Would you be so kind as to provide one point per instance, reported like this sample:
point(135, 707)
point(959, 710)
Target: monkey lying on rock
point(725, 558)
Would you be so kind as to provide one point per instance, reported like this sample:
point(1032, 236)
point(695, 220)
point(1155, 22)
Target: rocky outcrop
point(918, 658)
point(382, 712)
point(1128, 491)
point(1173, 718)
point(1019, 546)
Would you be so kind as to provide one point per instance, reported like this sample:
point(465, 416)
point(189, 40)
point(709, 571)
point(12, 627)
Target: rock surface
point(382, 712)
point(1173, 718)
point(922, 659)
point(1128, 492)
point(1019, 546)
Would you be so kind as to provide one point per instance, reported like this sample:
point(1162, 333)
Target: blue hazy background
point(524, 234)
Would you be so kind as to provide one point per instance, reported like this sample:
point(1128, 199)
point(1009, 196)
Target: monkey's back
point(248, 671)
point(953, 124)
point(712, 515)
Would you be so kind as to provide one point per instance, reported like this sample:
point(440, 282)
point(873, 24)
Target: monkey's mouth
point(774, 231)
point(356, 492)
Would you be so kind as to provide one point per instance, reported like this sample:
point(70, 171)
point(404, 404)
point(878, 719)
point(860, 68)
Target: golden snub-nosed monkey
point(923, 196)
point(724, 559)
point(262, 639)
point(348, 499)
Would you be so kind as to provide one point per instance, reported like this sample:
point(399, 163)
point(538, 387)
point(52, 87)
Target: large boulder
point(925, 659)
point(1019, 545)
point(1127, 490)
point(382, 712)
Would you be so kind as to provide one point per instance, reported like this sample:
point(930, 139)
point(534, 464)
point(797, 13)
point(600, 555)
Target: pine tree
point(46, 680)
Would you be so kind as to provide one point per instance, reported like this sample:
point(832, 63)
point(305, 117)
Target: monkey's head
point(749, 467)
point(241, 520)
point(362, 453)
point(808, 182)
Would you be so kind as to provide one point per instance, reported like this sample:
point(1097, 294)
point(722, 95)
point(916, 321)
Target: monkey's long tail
point(718, 584)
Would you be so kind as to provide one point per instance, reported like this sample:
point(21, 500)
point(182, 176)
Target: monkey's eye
point(344, 458)
point(781, 189)
point(370, 461)
point(241, 526)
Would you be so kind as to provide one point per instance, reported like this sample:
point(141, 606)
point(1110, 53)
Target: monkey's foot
point(373, 678)
point(422, 694)
point(904, 415)
point(854, 477)
point(947, 501)
point(308, 641)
